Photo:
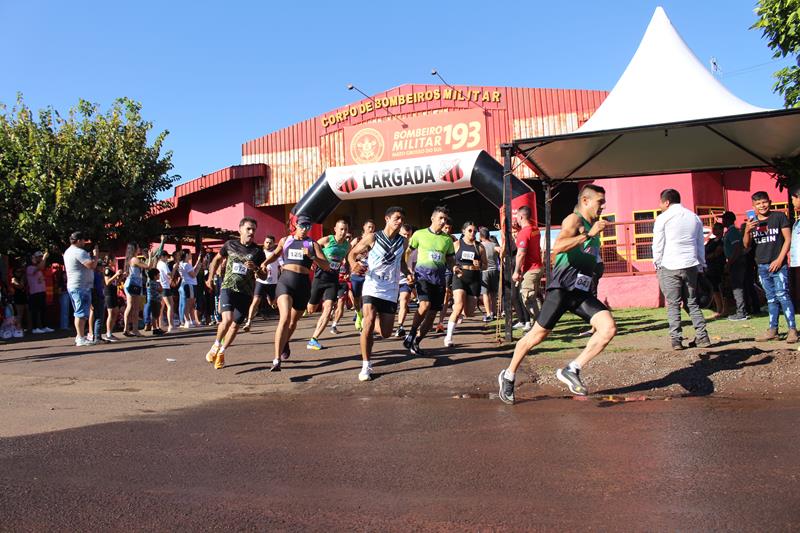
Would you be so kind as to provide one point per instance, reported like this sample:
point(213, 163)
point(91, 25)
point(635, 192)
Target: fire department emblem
point(367, 146)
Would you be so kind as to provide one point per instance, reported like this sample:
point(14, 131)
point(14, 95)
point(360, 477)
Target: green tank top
point(334, 252)
point(572, 267)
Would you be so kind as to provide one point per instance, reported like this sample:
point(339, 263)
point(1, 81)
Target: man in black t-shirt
point(769, 232)
point(244, 261)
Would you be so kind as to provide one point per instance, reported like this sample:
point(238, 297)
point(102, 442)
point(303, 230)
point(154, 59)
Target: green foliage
point(779, 22)
point(90, 171)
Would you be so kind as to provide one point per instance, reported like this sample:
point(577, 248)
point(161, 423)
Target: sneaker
point(736, 317)
point(37, 331)
point(334, 330)
point(587, 333)
point(401, 332)
point(81, 341)
point(93, 340)
point(488, 318)
point(276, 365)
point(109, 338)
point(158, 332)
point(211, 356)
point(416, 350)
point(148, 327)
point(365, 374)
point(313, 344)
point(286, 352)
point(506, 392)
point(246, 327)
point(439, 328)
point(677, 344)
point(18, 334)
point(518, 325)
point(219, 361)
point(527, 326)
point(448, 341)
point(7, 334)
point(769, 335)
point(572, 380)
point(47, 330)
point(701, 342)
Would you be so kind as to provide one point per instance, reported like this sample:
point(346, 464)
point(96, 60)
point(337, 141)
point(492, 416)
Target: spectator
point(154, 290)
point(490, 278)
point(735, 264)
point(715, 267)
point(770, 236)
point(134, 281)
point(19, 284)
point(80, 266)
point(186, 307)
point(165, 278)
point(60, 289)
point(112, 300)
point(36, 291)
point(528, 262)
point(679, 254)
point(98, 311)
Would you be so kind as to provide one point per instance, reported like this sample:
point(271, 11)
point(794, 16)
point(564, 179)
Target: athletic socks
point(451, 326)
point(574, 366)
point(364, 365)
point(509, 375)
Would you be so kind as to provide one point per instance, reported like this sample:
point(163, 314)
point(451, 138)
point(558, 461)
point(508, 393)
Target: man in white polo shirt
point(679, 255)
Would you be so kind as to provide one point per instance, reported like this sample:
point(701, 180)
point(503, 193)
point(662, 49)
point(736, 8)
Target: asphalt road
point(324, 462)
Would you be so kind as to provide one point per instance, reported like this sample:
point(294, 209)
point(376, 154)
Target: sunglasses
point(304, 226)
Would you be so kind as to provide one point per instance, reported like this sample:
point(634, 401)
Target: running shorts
point(357, 284)
point(559, 301)
point(111, 300)
point(323, 290)
point(298, 286)
point(490, 281)
point(469, 281)
point(265, 289)
point(430, 292)
point(405, 287)
point(382, 307)
point(236, 302)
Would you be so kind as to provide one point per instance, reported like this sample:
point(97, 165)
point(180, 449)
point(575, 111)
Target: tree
point(89, 171)
point(779, 22)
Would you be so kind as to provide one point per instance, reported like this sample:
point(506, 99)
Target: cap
point(304, 219)
point(38, 253)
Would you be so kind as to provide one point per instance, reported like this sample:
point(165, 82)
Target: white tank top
point(382, 279)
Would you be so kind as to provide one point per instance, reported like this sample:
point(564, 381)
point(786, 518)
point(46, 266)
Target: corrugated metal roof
point(235, 172)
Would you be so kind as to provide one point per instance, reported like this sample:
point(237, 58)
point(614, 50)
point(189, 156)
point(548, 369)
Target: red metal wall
point(298, 155)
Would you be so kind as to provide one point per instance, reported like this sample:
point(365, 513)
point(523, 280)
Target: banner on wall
point(406, 176)
point(424, 135)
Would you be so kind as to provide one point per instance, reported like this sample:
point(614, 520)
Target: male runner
point(244, 260)
point(356, 281)
point(569, 289)
point(435, 252)
point(381, 281)
point(406, 288)
point(326, 282)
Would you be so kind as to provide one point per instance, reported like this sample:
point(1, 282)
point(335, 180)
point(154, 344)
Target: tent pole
point(507, 287)
point(548, 200)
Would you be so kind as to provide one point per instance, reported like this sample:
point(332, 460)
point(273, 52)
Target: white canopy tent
point(667, 113)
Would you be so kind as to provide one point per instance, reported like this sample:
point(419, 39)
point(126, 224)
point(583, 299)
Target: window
point(643, 233)
point(708, 214)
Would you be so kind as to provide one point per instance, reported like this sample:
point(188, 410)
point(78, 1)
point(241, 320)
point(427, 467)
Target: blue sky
point(216, 74)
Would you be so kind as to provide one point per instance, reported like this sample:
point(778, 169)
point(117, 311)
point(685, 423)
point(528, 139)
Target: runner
point(435, 254)
point(490, 278)
point(382, 281)
point(448, 281)
point(264, 287)
point(243, 260)
point(471, 258)
point(406, 288)
point(325, 286)
point(343, 296)
point(299, 252)
point(356, 281)
point(569, 290)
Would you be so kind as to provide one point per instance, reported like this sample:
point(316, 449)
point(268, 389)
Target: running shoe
point(286, 352)
point(358, 323)
point(448, 341)
point(92, 340)
point(738, 318)
point(81, 341)
point(488, 318)
point(506, 392)
point(365, 374)
point(401, 332)
point(313, 344)
point(47, 330)
point(7, 334)
point(439, 328)
point(211, 356)
point(219, 360)
point(334, 330)
point(527, 326)
point(572, 380)
point(276, 365)
point(416, 350)
point(37, 331)
point(18, 334)
point(408, 342)
point(519, 325)
point(109, 338)
point(246, 327)
point(588, 333)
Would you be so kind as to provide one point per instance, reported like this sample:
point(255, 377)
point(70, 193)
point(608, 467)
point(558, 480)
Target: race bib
point(583, 283)
point(335, 267)
point(468, 256)
point(295, 254)
point(435, 256)
point(239, 268)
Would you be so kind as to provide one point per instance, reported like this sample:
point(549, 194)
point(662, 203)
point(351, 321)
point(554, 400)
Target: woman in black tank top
point(299, 252)
point(470, 260)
